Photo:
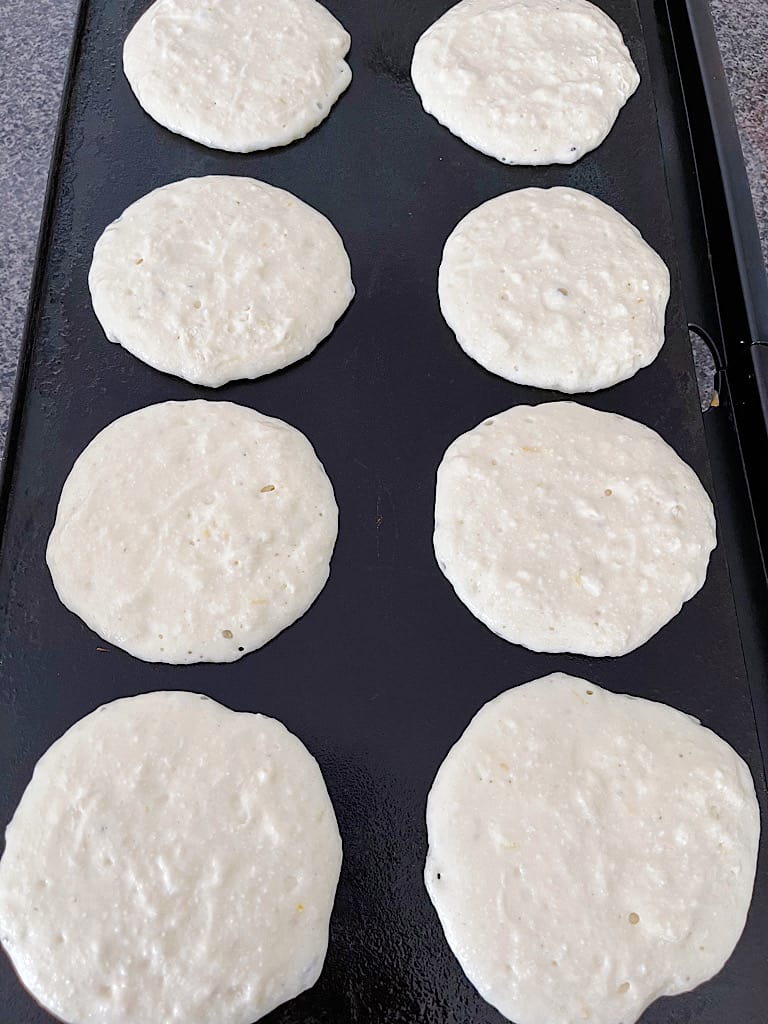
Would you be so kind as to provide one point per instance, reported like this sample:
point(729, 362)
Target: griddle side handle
point(735, 254)
point(746, 374)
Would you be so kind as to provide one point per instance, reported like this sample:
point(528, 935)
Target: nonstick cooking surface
point(385, 670)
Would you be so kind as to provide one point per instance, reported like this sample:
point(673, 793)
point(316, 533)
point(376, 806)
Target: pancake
point(219, 278)
point(566, 529)
point(554, 289)
point(193, 531)
point(170, 860)
point(589, 852)
point(238, 75)
point(525, 81)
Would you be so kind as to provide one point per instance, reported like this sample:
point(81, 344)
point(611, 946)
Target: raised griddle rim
point(729, 216)
point(737, 430)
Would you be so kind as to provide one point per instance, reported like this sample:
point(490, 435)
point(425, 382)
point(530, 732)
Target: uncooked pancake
point(566, 529)
point(239, 75)
point(170, 860)
point(193, 531)
point(552, 288)
point(219, 278)
point(525, 81)
point(589, 852)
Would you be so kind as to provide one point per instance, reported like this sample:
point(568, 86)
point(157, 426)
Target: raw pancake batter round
point(566, 529)
point(238, 75)
point(554, 289)
point(589, 852)
point(219, 278)
point(193, 531)
point(170, 860)
point(525, 81)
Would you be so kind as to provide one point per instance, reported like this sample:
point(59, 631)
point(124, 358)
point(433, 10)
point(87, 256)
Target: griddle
point(384, 672)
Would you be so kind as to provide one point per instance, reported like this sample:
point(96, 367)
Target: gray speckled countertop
point(34, 44)
point(742, 30)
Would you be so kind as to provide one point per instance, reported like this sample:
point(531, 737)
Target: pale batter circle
point(525, 81)
point(239, 75)
point(219, 278)
point(589, 852)
point(193, 531)
point(554, 289)
point(567, 529)
point(170, 860)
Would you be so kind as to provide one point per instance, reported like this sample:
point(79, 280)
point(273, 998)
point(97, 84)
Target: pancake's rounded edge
point(76, 585)
point(502, 721)
point(531, 633)
point(53, 799)
point(154, 319)
point(465, 267)
point(139, 42)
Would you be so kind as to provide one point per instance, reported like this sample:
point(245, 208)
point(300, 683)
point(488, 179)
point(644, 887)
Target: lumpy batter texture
point(566, 529)
point(238, 75)
point(219, 278)
point(171, 860)
point(589, 852)
point(554, 289)
point(193, 531)
point(525, 81)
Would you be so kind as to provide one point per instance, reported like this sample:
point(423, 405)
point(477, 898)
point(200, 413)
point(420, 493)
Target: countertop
point(34, 44)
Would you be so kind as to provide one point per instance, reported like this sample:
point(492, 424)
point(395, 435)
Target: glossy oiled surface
point(380, 677)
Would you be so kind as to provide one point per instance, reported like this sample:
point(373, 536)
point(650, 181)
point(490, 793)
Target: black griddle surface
point(385, 670)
